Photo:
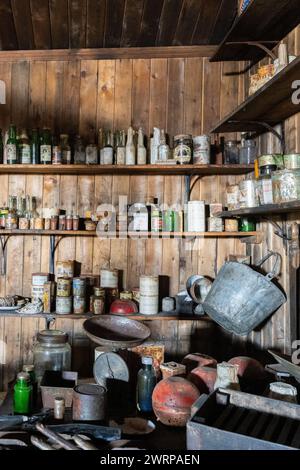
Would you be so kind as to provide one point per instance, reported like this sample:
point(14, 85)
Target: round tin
point(248, 196)
point(266, 160)
point(63, 287)
point(79, 287)
point(168, 304)
point(231, 225)
point(149, 285)
point(63, 305)
point(79, 305)
point(89, 402)
point(109, 278)
point(201, 153)
point(65, 269)
point(148, 304)
point(292, 161)
point(183, 148)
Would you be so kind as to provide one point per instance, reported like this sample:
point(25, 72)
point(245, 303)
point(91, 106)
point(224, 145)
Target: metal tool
point(12, 442)
point(10, 421)
point(40, 443)
point(55, 437)
point(98, 432)
point(83, 444)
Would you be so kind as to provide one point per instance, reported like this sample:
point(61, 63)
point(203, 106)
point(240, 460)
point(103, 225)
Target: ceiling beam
point(110, 53)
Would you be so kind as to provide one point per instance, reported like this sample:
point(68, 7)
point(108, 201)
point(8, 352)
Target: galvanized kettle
point(242, 298)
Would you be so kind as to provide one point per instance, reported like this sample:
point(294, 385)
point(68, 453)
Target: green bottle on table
point(22, 394)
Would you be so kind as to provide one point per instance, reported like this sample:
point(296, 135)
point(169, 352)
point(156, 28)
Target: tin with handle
point(241, 298)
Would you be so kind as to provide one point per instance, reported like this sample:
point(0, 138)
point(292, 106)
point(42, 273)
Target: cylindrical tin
point(248, 196)
point(47, 224)
point(63, 287)
point(109, 278)
point(196, 216)
point(232, 197)
point(215, 224)
point(148, 304)
point(283, 391)
point(79, 305)
point(62, 222)
point(23, 223)
point(201, 154)
point(168, 304)
point(231, 225)
point(69, 222)
point(183, 148)
point(89, 402)
point(97, 305)
point(79, 287)
point(37, 292)
point(65, 268)
point(292, 161)
point(39, 223)
point(63, 305)
point(48, 296)
point(39, 279)
point(266, 160)
point(149, 285)
point(54, 222)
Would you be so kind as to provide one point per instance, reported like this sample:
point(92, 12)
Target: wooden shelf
point(271, 104)
point(266, 22)
point(161, 316)
point(205, 170)
point(109, 235)
point(268, 209)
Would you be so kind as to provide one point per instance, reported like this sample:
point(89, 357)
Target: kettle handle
point(277, 265)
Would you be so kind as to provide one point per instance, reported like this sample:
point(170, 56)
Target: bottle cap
point(23, 376)
point(147, 360)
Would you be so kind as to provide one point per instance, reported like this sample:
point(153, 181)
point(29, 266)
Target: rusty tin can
point(79, 305)
point(63, 305)
point(79, 287)
point(63, 287)
point(89, 403)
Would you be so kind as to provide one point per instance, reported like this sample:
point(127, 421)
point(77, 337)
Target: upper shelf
point(271, 104)
point(268, 209)
point(266, 22)
point(159, 169)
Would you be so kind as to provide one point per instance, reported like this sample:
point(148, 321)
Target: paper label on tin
point(46, 153)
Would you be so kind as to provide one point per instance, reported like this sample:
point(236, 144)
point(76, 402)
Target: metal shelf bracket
point(3, 245)
point(53, 246)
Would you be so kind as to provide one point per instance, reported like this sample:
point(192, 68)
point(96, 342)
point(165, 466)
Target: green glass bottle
point(22, 394)
point(29, 369)
point(11, 146)
point(146, 382)
point(1, 147)
point(35, 147)
point(45, 148)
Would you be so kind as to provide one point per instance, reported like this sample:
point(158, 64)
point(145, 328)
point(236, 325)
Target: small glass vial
point(146, 382)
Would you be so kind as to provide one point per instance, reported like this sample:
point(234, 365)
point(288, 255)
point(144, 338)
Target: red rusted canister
point(248, 368)
point(191, 361)
point(204, 378)
point(172, 400)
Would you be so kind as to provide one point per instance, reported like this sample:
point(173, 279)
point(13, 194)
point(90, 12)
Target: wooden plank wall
point(180, 95)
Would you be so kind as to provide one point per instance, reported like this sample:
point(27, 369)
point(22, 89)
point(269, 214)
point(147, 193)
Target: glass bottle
point(120, 147)
point(56, 151)
point(247, 151)
point(146, 382)
point(45, 147)
point(107, 152)
point(163, 149)
point(11, 221)
point(11, 146)
point(141, 150)
point(231, 152)
point(65, 149)
point(1, 147)
point(24, 148)
point(22, 394)
point(91, 150)
point(79, 151)
point(130, 148)
point(35, 147)
point(156, 217)
point(29, 369)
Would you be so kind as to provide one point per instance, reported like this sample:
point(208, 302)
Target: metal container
point(286, 186)
point(248, 196)
point(215, 224)
point(232, 197)
point(78, 305)
point(231, 225)
point(37, 292)
point(148, 304)
point(183, 148)
point(79, 287)
point(149, 290)
point(172, 400)
point(201, 153)
point(65, 268)
point(109, 278)
point(48, 296)
point(149, 285)
point(292, 161)
point(266, 160)
point(241, 298)
point(168, 304)
point(39, 279)
point(196, 216)
point(58, 384)
point(63, 305)
point(63, 288)
point(89, 403)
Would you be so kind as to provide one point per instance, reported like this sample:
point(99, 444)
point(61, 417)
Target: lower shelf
point(160, 316)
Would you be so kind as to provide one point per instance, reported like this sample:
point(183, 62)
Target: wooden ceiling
point(77, 24)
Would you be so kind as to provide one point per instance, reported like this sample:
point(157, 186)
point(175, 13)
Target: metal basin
point(115, 331)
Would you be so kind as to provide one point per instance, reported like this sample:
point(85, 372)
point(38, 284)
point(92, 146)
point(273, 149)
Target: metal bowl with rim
point(116, 331)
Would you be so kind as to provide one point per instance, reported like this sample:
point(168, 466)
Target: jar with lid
point(183, 148)
point(247, 151)
point(231, 152)
point(265, 189)
point(52, 352)
point(97, 301)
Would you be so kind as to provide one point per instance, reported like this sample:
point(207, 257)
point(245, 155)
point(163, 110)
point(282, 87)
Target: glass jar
point(183, 148)
point(231, 151)
point(52, 352)
point(265, 190)
point(247, 152)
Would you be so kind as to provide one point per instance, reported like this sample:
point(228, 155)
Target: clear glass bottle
point(146, 382)
point(163, 149)
point(11, 146)
point(156, 217)
point(56, 151)
point(107, 152)
point(248, 150)
point(130, 148)
point(52, 352)
point(91, 154)
point(65, 149)
point(79, 151)
point(24, 148)
point(231, 152)
point(120, 147)
point(141, 149)
point(45, 147)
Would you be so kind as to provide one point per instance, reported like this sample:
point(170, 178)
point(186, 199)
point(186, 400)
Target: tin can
point(266, 160)
point(201, 153)
point(79, 305)
point(48, 296)
point(149, 285)
point(215, 224)
point(183, 148)
point(97, 305)
point(62, 222)
point(231, 225)
point(248, 195)
point(54, 222)
point(196, 216)
point(168, 304)
point(65, 268)
point(232, 197)
point(79, 287)
point(37, 292)
point(168, 221)
point(69, 222)
point(148, 304)
point(89, 402)
point(109, 278)
point(47, 224)
point(63, 305)
point(292, 161)
point(63, 287)
point(39, 223)
point(39, 279)
point(23, 223)
point(75, 222)
point(149, 290)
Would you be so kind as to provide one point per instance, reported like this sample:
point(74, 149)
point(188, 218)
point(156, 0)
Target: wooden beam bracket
point(256, 44)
